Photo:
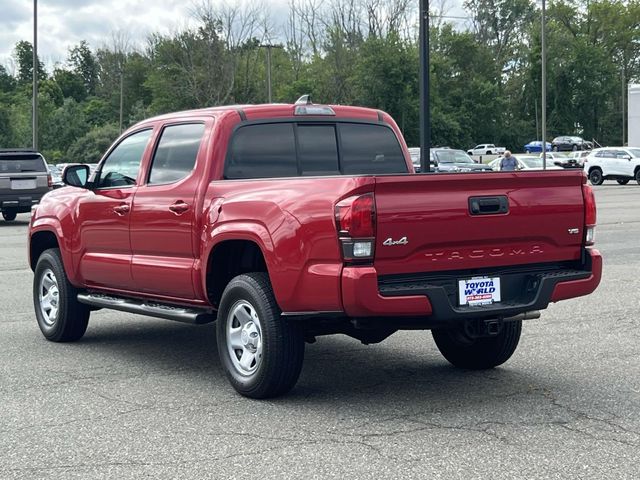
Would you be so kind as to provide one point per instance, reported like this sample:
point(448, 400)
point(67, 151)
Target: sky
point(64, 23)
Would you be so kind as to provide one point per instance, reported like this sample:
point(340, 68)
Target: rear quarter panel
point(292, 220)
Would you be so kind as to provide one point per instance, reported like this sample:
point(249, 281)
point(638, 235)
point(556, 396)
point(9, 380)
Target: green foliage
point(90, 147)
point(485, 82)
point(23, 54)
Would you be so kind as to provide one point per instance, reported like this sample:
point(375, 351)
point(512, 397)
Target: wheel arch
point(40, 241)
point(230, 257)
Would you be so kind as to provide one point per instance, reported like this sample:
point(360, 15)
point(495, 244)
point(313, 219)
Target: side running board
point(150, 308)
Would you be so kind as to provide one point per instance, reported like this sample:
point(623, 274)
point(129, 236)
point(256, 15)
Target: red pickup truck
point(285, 222)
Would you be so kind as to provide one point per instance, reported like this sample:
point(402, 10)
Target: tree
point(23, 55)
point(91, 147)
point(84, 64)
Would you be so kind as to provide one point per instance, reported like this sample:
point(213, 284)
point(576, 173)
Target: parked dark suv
point(570, 143)
point(24, 179)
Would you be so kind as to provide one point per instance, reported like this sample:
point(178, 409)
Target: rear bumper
point(434, 298)
point(21, 202)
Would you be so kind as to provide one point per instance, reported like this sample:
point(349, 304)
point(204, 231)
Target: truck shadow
point(336, 368)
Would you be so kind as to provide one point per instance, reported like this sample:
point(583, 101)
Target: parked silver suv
point(24, 179)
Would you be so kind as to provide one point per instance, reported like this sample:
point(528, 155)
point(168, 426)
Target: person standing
point(508, 162)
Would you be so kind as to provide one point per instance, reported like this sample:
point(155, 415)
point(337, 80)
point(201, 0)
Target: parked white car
point(613, 163)
point(486, 149)
point(525, 162)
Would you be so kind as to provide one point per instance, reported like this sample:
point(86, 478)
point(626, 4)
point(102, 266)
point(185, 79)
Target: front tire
point(596, 177)
point(623, 181)
point(60, 316)
point(9, 215)
point(260, 351)
point(478, 353)
point(555, 148)
point(638, 176)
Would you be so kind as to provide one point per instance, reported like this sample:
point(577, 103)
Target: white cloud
point(64, 23)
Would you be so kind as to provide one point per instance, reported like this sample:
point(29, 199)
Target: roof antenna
point(304, 100)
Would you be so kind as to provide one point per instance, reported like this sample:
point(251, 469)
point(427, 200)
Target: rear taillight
point(356, 224)
point(589, 214)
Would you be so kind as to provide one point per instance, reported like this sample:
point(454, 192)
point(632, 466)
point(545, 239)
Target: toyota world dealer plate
point(479, 291)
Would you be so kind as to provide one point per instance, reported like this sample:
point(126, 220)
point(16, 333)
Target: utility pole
point(624, 132)
point(34, 106)
point(269, 46)
point(425, 117)
point(544, 85)
point(121, 93)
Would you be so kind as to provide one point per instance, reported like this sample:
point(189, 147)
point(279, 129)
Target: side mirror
point(628, 157)
point(76, 175)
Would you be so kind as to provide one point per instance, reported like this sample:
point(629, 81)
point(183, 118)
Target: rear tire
point(623, 181)
point(638, 176)
point(575, 148)
point(9, 215)
point(478, 353)
point(260, 351)
point(555, 148)
point(595, 176)
point(60, 316)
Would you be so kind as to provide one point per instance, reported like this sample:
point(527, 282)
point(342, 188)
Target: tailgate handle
point(488, 205)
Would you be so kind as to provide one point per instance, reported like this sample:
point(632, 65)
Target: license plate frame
point(478, 291)
point(23, 184)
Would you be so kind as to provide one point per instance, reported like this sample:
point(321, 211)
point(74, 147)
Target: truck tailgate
point(434, 223)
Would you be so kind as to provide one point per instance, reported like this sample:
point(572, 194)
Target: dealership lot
point(140, 397)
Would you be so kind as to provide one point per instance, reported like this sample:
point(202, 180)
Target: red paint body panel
point(578, 288)
point(152, 252)
point(362, 299)
point(443, 235)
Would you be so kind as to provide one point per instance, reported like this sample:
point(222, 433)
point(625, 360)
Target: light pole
point(425, 118)
point(624, 133)
point(544, 86)
point(269, 46)
point(34, 106)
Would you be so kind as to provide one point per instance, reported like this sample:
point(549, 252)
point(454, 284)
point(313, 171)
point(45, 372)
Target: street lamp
point(34, 111)
point(543, 60)
point(269, 46)
point(425, 118)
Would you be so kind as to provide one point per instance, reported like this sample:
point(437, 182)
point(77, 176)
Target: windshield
point(453, 156)
point(635, 152)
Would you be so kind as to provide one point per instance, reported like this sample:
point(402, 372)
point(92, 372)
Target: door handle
point(488, 205)
point(122, 209)
point(179, 207)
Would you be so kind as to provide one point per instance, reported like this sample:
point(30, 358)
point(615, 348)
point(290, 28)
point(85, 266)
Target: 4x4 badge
point(389, 242)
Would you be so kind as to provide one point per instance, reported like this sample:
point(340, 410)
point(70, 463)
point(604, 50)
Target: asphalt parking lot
point(145, 398)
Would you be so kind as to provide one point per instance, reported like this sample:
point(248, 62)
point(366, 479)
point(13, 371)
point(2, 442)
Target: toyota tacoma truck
point(282, 223)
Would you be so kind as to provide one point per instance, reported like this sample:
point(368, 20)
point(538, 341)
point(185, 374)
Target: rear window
point(293, 149)
point(19, 163)
point(368, 149)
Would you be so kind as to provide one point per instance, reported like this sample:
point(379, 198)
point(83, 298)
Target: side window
point(263, 151)
point(369, 150)
point(176, 153)
point(621, 155)
point(318, 150)
point(121, 167)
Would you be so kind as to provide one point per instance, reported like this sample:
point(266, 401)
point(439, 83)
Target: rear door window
point(176, 153)
point(22, 163)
